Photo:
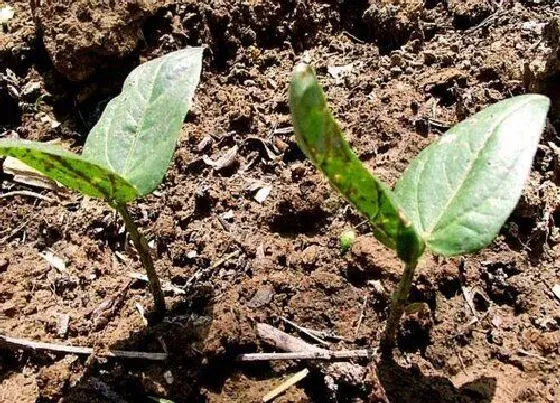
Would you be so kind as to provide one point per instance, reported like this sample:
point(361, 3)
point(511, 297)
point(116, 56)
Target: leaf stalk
point(143, 249)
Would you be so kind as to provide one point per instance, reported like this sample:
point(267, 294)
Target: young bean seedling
point(127, 153)
point(454, 196)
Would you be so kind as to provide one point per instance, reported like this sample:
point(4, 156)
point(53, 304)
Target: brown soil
point(417, 68)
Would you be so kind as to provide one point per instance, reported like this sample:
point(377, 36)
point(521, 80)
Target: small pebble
point(4, 263)
point(168, 376)
point(263, 193)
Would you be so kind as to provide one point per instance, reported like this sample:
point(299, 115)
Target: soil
point(413, 69)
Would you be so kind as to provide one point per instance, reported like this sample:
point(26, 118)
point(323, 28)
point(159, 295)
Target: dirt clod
point(82, 38)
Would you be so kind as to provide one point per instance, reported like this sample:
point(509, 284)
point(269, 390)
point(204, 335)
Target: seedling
point(454, 196)
point(127, 153)
point(346, 240)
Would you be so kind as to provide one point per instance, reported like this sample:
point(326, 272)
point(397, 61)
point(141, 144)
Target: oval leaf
point(459, 191)
point(70, 170)
point(321, 139)
point(137, 133)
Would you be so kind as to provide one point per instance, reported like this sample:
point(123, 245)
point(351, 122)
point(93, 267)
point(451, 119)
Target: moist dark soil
point(412, 69)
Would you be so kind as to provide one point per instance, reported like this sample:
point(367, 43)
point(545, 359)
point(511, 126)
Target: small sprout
point(454, 196)
point(127, 153)
point(346, 240)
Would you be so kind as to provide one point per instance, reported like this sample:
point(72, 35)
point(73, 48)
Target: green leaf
point(70, 169)
point(137, 133)
point(321, 139)
point(160, 399)
point(459, 191)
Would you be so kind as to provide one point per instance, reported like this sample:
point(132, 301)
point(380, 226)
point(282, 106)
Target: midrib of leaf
point(420, 216)
point(107, 131)
point(143, 119)
point(470, 168)
point(480, 202)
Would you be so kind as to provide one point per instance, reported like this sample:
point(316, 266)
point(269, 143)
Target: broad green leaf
point(321, 139)
point(459, 191)
point(70, 170)
point(137, 133)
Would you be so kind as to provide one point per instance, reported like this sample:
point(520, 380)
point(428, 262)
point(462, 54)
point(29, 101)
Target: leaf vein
point(470, 167)
point(141, 124)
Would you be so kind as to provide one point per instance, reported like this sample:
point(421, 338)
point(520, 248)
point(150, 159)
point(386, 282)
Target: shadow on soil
point(185, 327)
point(410, 385)
point(98, 379)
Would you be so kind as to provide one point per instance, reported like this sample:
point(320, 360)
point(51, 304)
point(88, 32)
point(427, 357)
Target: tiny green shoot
point(346, 240)
point(129, 150)
point(454, 196)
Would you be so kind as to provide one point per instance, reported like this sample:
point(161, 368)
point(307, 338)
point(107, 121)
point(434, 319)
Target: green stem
point(398, 305)
point(143, 249)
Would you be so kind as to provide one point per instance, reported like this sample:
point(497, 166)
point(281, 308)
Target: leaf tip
point(303, 68)
point(303, 78)
point(539, 101)
point(538, 97)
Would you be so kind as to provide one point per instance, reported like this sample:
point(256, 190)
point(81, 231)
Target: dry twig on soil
point(27, 193)
point(298, 376)
point(317, 336)
point(62, 348)
point(306, 355)
point(361, 318)
point(284, 341)
point(297, 349)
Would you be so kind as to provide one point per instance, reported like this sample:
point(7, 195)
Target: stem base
point(143, 249)
point(398, 303)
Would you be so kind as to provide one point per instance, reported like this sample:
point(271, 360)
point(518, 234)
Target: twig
point(297, 349)
point(440, 124)
point(361, 318)
point(360, 224)
point(14, 231)
point(27, 193)
point(142, 313)
point(462, 363)
point(487, 21)
point(530, 354)
point(467, 295)
point(62, 348)
point(355, 38)
point(283, 130)
point(317, 333)
point(311, 333)
point(284, 341)
point(308, 355)
point(298, 376)
point(221, 261)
